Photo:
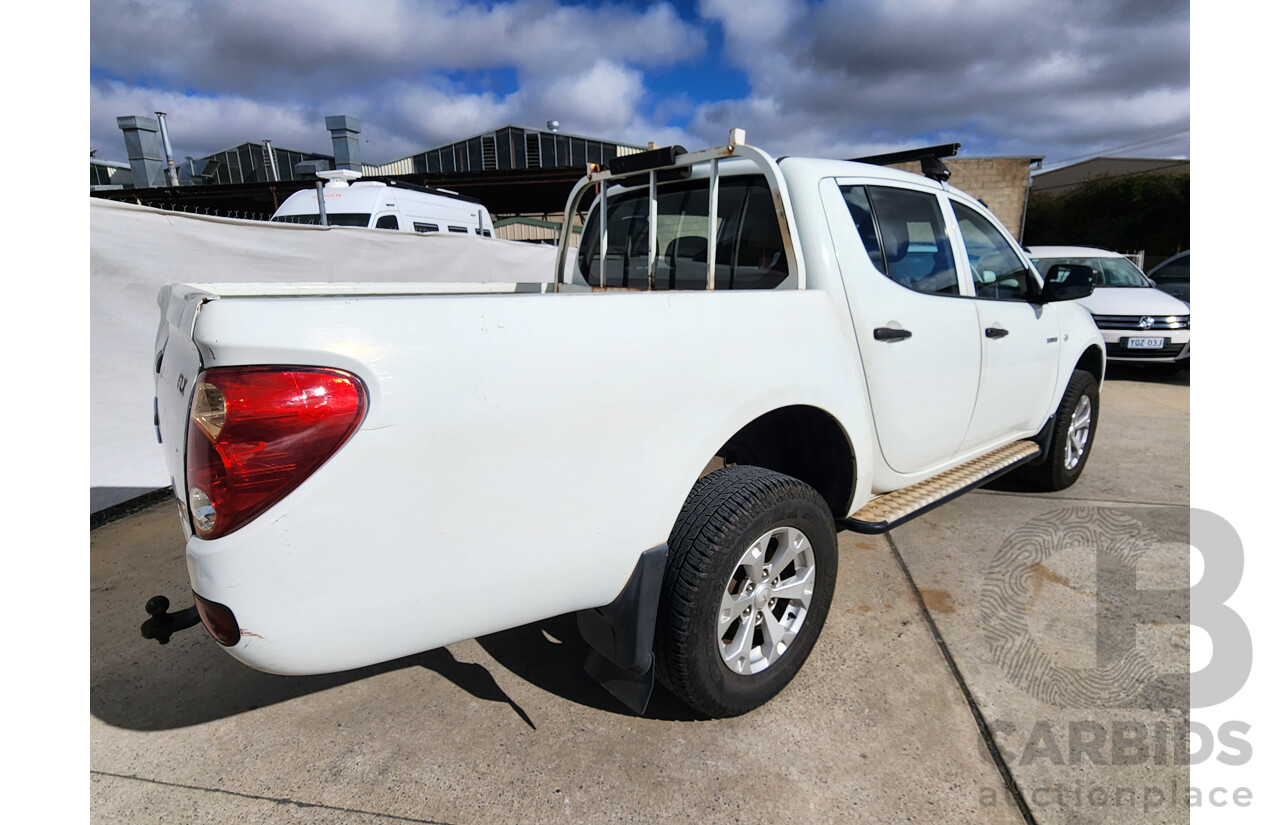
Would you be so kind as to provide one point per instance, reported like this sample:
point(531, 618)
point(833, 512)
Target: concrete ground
point(1048, 629)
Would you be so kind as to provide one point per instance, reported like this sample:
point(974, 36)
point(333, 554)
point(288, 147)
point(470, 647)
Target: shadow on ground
point(1178, 375)
point(190, 681)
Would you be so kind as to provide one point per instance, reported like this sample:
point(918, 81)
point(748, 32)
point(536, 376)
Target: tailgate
point(177, 363)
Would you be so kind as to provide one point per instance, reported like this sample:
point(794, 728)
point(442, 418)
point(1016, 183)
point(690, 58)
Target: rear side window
point(855, 197)
point(425, 227)
point(749, 249)
point(905, 236)
point(332, 218)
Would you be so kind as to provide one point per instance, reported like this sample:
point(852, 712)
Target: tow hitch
point(164, 624)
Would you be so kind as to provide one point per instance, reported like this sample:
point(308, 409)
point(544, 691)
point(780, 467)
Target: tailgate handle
point(996, 332)
point(891, 334)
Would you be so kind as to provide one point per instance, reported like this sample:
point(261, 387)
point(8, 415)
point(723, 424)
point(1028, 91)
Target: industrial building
point(1062, 179)
point(522, 175)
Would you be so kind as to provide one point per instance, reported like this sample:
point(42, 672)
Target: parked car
point(1140, 323)
point(1174, 276)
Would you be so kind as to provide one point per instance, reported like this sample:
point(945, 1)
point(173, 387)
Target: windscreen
point(1107, 272)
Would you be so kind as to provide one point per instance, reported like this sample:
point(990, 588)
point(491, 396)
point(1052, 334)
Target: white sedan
point(1139, 322)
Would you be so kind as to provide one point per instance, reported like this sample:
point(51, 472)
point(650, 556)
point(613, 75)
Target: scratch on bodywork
point(244, 632)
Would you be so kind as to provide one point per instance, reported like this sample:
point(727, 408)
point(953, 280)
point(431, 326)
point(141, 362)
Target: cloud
point(836, 78)
point(200, 125)
point(275, 69)
point(848, 77)
point(330, 46)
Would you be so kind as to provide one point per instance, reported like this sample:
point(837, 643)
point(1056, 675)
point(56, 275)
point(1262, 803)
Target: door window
point(997, 270)
point(387, 222)
point(905, 236)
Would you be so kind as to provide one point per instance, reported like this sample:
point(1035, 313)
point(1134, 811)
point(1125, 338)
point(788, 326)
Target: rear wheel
point(750, 575)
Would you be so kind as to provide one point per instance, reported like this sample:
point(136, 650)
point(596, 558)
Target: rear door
point(917, 333)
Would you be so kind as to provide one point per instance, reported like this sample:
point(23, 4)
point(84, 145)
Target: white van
point(386, 204)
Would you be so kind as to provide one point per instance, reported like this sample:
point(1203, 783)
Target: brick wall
point(1000, 183)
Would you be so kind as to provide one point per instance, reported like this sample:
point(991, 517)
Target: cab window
point(749, 248)
point(905, 236)
point(996, 269)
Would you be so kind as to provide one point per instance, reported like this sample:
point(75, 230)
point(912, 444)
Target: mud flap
point(620, 634)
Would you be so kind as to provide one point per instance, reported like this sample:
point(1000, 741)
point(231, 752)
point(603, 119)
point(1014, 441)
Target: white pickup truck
point(665, 440)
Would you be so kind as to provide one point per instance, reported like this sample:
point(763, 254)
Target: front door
point(1019, 339)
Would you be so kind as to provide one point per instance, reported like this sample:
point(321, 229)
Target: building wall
point(1000, 183)
point(1063, 179)
point(544, 228)
point(507, 148)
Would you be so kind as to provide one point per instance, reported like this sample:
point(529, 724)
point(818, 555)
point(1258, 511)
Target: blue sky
point(1065, 79)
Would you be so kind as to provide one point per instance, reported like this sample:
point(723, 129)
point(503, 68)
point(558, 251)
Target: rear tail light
point(256, 433)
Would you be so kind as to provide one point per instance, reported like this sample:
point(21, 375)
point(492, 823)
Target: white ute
point(767, 352)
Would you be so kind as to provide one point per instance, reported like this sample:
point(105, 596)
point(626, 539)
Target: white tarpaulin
point(135, 250)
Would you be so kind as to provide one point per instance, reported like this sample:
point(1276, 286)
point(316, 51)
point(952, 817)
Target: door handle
point(891, 334)
point(996, 332)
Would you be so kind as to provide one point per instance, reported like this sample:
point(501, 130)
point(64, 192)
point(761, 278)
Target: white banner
point(135, 250)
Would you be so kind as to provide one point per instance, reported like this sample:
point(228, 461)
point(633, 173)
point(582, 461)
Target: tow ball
point(164, 624)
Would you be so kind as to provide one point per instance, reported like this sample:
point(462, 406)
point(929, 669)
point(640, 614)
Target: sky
point(1063, 79)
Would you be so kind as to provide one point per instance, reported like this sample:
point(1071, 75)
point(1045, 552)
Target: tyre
point(751, 569)
point(1074, 425)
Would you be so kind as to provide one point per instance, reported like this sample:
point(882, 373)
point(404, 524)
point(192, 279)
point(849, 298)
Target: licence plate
point(1146, 343)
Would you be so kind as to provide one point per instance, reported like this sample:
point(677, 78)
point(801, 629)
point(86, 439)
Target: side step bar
point(892, 509)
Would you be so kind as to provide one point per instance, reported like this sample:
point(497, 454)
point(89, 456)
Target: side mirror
point(1067, 282)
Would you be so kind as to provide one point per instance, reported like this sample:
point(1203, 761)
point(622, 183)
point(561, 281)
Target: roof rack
point(930, 157)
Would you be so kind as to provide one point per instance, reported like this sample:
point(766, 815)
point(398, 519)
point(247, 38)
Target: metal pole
point(604, 230)
point(324, 217)
point(170, 172)
point(713, 202)
point(271, 161)
point(653, 226)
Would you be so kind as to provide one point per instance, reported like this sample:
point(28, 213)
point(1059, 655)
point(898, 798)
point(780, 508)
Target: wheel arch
point(804, 442)
point(1093, 362)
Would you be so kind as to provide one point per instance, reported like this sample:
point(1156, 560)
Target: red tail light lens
point(256, 433)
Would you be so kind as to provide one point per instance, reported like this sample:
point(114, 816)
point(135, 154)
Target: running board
point(892, 509)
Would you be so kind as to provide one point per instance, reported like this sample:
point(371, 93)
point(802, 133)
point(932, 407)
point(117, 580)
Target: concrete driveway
point(1008, 657)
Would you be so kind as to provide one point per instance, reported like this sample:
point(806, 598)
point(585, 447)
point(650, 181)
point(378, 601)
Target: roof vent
point(339, 178)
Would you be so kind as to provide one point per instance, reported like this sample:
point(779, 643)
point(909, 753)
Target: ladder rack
point(671, 163)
